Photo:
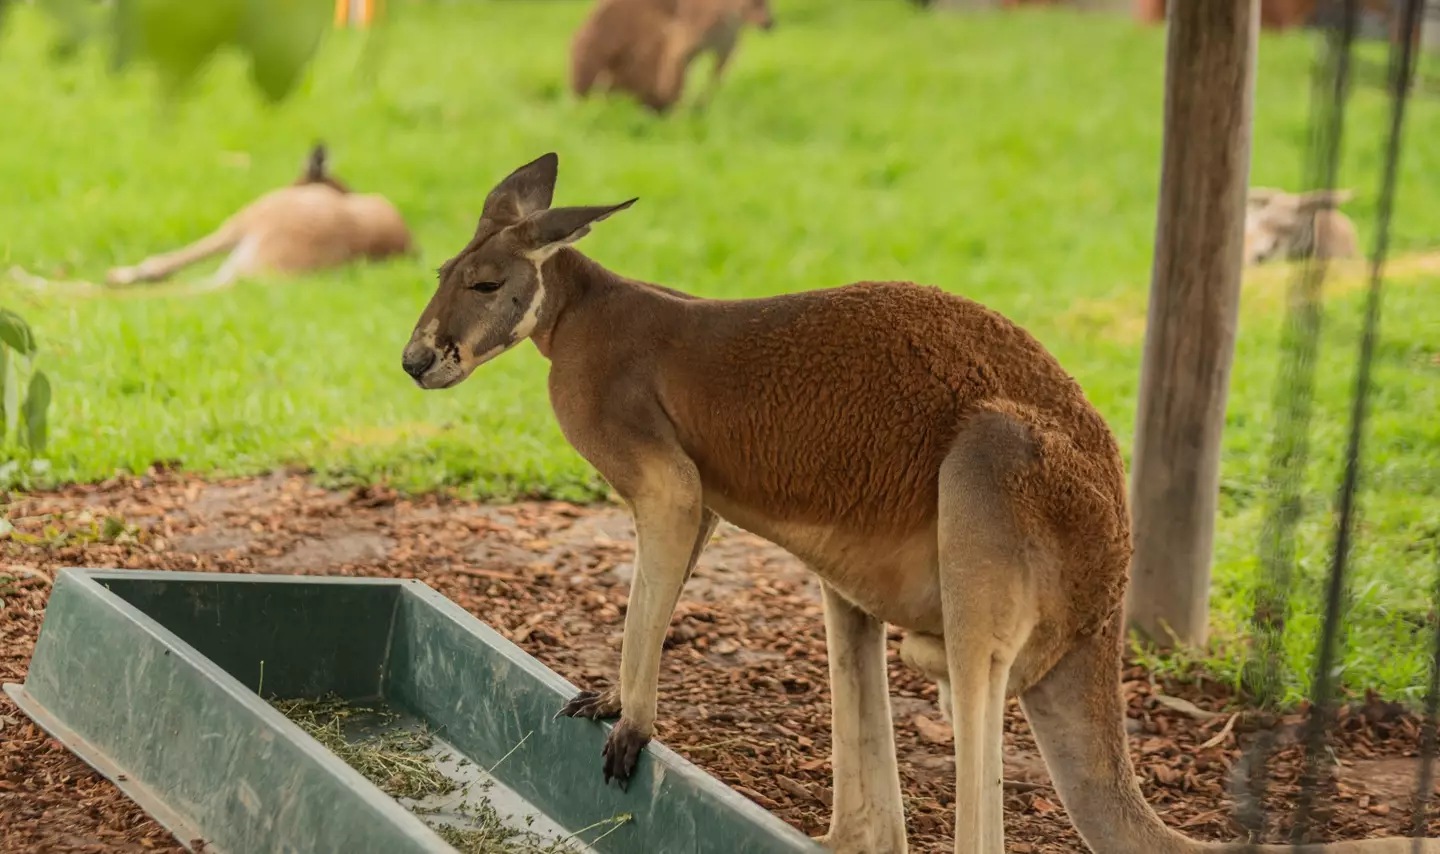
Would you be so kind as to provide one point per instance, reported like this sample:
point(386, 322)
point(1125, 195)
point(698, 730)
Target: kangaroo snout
point(417, 360)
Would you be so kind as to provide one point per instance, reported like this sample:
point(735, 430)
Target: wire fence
point(1334, 76)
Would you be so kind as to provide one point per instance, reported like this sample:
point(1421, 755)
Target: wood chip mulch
point(743, 691)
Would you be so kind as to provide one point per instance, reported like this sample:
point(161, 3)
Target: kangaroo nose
point(417, 363)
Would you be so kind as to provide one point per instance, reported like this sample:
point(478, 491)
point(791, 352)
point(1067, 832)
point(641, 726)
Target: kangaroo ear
point(549, 230)
point(1259, 197)
point(315, 165)
point(1316, 199)
point(525, 191)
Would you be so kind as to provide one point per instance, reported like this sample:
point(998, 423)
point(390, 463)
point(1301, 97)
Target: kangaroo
point(1294, 226)
point(644, 47)
point(313, 223)
point(927, 458)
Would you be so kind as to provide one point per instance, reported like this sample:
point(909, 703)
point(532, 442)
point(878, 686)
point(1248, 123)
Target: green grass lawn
point(1012, 158)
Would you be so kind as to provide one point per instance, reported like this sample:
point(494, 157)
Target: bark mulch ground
point(743, 691)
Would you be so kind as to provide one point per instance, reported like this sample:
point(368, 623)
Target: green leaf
point(15, 332)
point(4, 386)
point(281, 37)
point(125, 35)
point(11, 398)
point(76, 20)
point(177, 36)
point(37, 404)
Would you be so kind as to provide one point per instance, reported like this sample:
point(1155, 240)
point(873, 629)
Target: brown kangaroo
point(926, 457)
point(314, 223)
point(1291, 226)
point(644, 47)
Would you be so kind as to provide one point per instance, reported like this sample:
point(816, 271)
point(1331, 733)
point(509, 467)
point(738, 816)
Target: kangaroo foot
point(592, 705)
point(622, 751)
point(858, 843)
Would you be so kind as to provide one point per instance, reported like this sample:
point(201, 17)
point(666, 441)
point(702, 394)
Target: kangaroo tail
point(1077, 714)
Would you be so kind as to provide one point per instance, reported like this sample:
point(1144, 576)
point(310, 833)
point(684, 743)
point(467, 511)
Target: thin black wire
point(1289, 451)
point(1428, 742)
point(1323, 687)
point(1290, 444)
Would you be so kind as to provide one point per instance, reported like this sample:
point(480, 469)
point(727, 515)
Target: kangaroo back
point(631, 46)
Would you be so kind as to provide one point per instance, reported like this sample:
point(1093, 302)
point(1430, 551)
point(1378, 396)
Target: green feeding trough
point(156, 679)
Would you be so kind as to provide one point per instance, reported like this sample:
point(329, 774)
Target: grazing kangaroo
point(315, 222)
point(926, 457)
point(644, 47)
point(1294, 226)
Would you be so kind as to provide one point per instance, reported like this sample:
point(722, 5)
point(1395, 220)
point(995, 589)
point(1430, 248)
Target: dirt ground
point(743, 689)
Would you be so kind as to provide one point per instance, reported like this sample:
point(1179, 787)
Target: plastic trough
point(151, 678)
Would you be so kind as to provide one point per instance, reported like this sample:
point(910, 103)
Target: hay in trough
point(402, 762)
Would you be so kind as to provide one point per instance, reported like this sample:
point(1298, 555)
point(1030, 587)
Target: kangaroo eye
point(485, 287)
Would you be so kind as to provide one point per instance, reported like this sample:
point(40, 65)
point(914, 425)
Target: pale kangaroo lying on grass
point(1291, 226)
point(926, 457)
point(314, 223)
point(644, 47)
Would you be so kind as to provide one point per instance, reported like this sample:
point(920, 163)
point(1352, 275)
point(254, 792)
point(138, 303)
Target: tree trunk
point(1194, 308)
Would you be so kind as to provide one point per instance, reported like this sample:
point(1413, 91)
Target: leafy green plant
point(24, 419)
point(178, 37)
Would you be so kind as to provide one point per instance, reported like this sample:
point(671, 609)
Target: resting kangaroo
point(644, 47)
point(926, 457)
point(1294, 226)
point(315, 222)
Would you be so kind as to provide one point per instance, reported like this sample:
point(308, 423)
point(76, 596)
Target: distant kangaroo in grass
point(1292, 226)
point(927, 458)
point(314, 223)
point(644, 47)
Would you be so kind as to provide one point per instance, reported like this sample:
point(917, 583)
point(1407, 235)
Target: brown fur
point(645, 47)
point(926, 457)
point(314, 223)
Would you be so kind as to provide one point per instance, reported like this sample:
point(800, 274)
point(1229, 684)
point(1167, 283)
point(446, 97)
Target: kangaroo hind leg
point(987, 591)
point(162, 266)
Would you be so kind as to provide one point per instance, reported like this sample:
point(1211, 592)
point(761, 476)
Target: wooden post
point(1194, 308)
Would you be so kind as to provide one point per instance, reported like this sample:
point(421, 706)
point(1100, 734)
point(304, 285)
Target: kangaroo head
point(491, 295)
point(317, 171)
point(1275, 219)
point(757, 14)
